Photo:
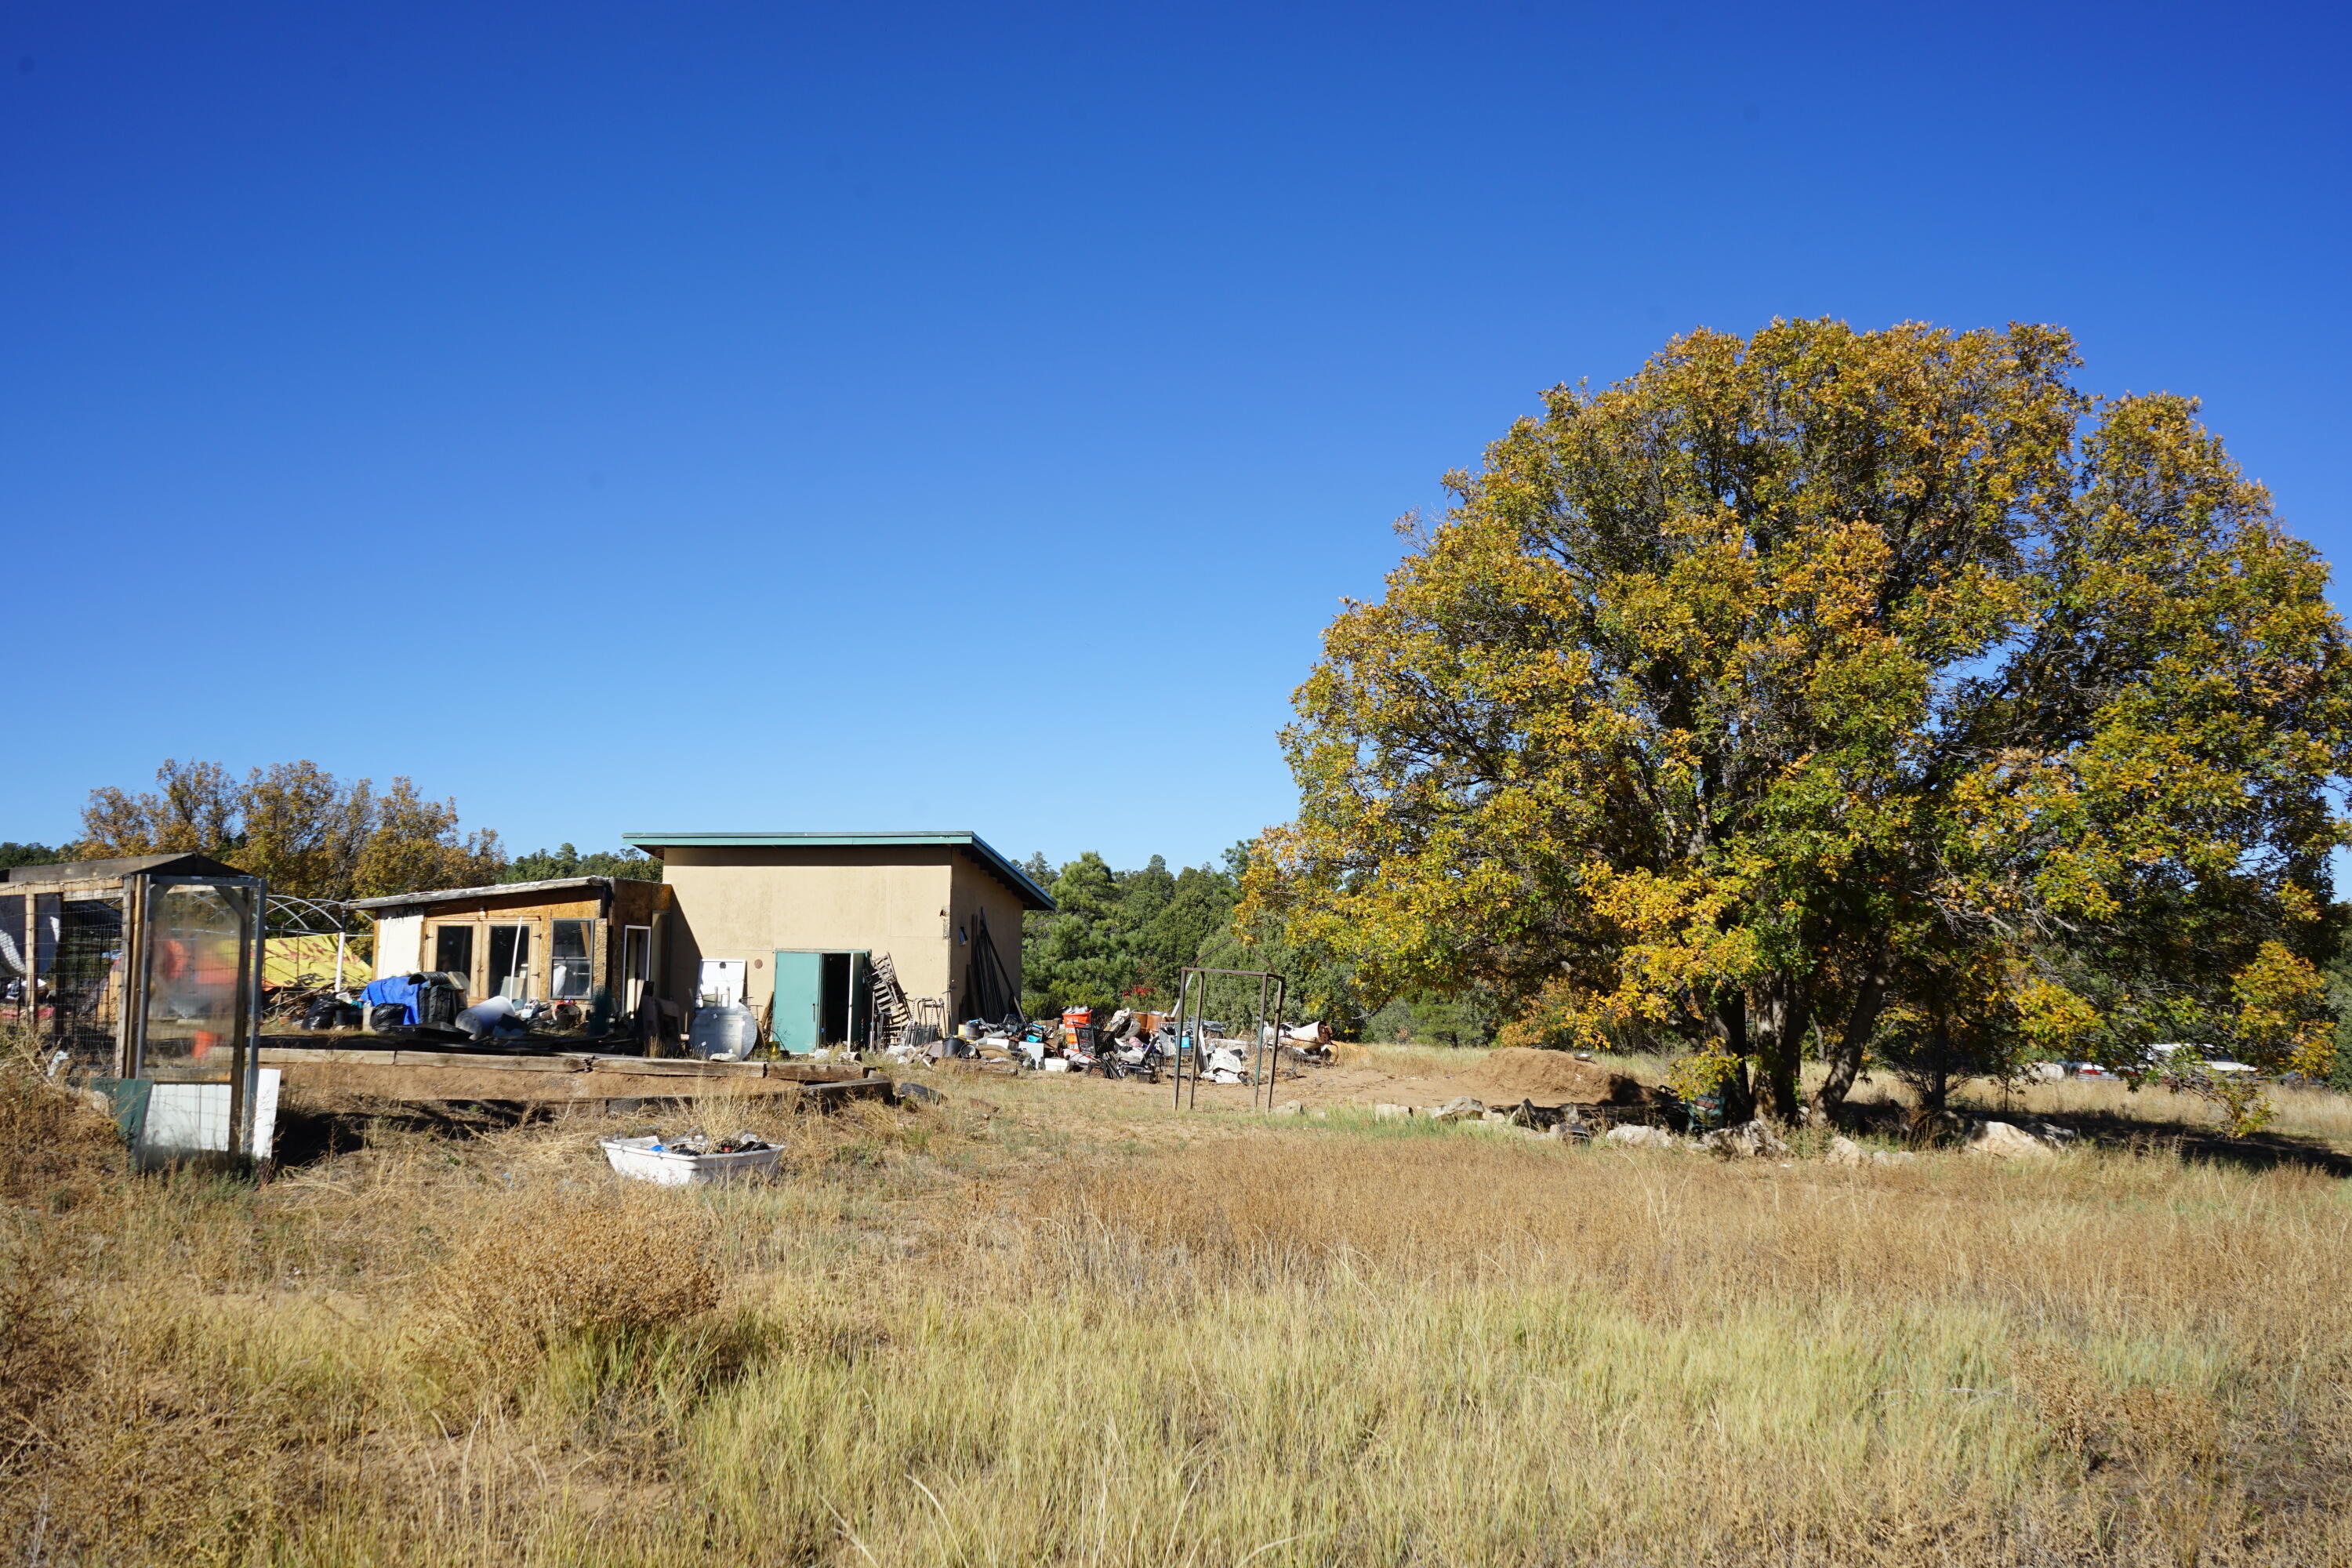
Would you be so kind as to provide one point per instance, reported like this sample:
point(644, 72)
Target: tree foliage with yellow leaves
point(1825, 685)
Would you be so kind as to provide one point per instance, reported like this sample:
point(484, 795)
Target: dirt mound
point(1550, 1078)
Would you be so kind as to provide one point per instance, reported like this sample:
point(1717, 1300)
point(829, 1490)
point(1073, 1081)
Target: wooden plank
point(671, 1066)
point(456, 1081)
point(814, 1072)
point(484, 1059)
point(300, 1056)
point(826, 1095)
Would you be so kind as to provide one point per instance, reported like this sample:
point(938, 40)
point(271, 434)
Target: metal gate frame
point(1271, 994)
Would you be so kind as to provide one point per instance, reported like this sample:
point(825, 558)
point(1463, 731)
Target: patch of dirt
point(1513, 1073)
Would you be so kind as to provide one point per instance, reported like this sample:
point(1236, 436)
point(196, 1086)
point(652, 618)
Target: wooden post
point(130, 1008)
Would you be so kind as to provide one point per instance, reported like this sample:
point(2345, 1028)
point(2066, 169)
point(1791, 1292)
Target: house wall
point(744, 902)
point(399, 945)
point(535, 911)
point(977, 891)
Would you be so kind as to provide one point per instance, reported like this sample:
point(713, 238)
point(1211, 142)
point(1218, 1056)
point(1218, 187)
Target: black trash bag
point(328, 1013)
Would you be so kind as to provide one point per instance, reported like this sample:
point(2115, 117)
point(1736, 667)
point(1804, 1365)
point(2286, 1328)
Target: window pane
point(568, 978)
point(453, 952)
point(510, 962)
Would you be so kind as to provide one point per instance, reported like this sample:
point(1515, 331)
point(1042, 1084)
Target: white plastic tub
point(639, 1159)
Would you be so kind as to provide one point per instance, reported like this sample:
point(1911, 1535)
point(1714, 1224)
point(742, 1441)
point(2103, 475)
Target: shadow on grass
point(2254, 1152)
point(307, 1135)
point(2138, 1134)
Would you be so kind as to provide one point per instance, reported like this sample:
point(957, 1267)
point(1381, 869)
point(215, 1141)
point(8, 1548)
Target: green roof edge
point(960, 838)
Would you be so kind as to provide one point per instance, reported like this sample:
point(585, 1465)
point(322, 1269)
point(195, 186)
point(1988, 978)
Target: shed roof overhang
point(496, 890)
point(971, 844)
point(182, 864)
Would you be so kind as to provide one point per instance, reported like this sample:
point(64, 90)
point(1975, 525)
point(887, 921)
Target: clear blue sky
point(708, 416)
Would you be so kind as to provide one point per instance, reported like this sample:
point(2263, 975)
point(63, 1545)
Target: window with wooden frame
point(571, 947)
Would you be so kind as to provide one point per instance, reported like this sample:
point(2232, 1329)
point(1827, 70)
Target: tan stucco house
point(793, 922)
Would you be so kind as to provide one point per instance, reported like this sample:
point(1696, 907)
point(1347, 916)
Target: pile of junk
point(433, 1003)
point(1123, 1044)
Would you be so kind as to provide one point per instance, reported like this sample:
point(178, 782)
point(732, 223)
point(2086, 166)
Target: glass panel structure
point(200, 939)
point(123, 970)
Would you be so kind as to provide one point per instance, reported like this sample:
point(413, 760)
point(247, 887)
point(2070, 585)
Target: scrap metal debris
point(699, 1143)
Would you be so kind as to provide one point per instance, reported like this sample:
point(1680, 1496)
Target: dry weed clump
point(62, 1166)
point(56, 1151)
point(2100, 1423)
point(550, 1264)
point(44, 1354)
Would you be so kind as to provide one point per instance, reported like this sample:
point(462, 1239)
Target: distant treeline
point(563, 861)
point(1123, 939)
point(312, 834)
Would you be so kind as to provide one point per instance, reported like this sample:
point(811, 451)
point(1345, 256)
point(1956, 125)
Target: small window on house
point(568, 974)
point(453, 952)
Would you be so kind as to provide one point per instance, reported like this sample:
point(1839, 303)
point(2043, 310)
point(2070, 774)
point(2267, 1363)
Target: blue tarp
point(392, 991)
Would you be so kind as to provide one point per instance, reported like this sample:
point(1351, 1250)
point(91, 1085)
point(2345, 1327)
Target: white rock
point(2003, 1141)
point(1463, 1109)
point(1290, 1108)
point(1386, 1113)
point(1748, 1141)
point(1843, 1152)
point(1633, 1135)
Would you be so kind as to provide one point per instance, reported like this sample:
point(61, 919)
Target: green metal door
point(799, 992)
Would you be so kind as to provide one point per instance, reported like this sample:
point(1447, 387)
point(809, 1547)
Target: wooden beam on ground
point(311, 1055)
point(668, 1066)
point(826, 1095)
point(453, 1076)
point(815, 1072)
point(470, 1059)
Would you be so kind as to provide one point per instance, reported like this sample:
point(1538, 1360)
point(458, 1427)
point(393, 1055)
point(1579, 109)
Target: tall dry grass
point(958, 1338)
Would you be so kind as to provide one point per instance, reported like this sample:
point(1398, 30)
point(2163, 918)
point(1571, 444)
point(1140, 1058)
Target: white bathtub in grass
point(637, 1158)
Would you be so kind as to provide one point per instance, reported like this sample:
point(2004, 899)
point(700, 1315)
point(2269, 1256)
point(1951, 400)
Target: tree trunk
point(1731, 1028)
point(1777, 1017)
point(1845, 1050)
point(1739, 1096)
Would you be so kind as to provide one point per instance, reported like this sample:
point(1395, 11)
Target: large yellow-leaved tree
point(1863, 689)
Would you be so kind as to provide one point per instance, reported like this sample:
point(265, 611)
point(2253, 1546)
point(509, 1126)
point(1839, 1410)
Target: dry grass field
point(1054, 1322)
